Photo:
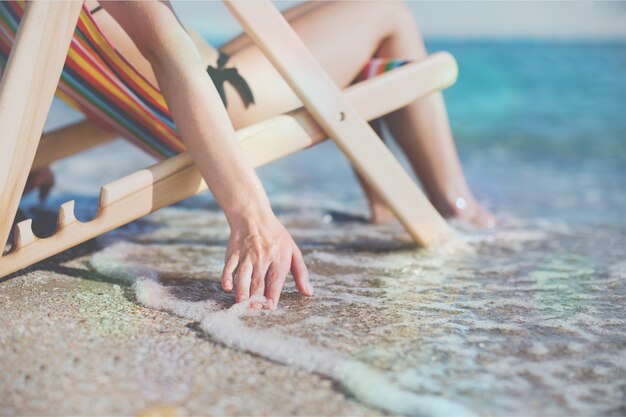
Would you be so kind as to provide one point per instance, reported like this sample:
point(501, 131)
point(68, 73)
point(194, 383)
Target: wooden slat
point(69, 140)
point(340, 119)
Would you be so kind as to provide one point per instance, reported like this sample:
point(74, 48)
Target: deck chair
point(58, 44)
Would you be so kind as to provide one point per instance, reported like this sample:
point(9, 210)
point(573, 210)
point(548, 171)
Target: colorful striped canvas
point(99, 82)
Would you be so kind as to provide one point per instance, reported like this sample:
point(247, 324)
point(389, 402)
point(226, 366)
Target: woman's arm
point(260, 251)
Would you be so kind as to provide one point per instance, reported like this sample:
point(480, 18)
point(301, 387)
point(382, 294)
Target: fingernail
point(269, 304)
point(309, 288)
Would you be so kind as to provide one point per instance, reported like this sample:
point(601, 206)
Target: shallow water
point(527, 319)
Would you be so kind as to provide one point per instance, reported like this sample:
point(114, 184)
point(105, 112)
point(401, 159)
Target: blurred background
point(460, 19)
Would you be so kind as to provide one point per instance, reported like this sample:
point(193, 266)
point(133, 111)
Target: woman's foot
point(380, 213)
point(463, 208)
point(466, 208)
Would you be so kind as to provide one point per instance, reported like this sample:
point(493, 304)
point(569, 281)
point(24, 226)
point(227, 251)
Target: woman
point(260, 251)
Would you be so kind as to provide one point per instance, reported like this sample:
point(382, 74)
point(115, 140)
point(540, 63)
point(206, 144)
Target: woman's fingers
point(300, 272)
point(275, 279)
point(227, 273)
point(277, 273)
point(244, 276)
point(257, 286)
point(250, 280)
point(257, 264)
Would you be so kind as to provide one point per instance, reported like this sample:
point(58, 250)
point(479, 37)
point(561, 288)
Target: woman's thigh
point(342, 36)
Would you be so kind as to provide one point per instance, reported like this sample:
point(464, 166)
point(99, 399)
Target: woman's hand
point(260, 253)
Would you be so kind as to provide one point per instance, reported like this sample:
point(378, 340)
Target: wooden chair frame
point(32, 74)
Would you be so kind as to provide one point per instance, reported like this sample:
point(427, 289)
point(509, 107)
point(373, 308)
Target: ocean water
point(527, 319)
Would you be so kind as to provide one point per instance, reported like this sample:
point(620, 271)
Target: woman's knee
point(403, 37)
point(401, 16)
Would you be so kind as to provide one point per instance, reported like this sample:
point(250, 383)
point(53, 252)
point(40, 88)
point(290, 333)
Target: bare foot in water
point(454, 201)
point(466, 208)
point(380, 213)
point(462, 208)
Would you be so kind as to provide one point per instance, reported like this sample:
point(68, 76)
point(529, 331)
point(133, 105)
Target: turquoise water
point(535, 120)
point(525, 320)
point(550, 117)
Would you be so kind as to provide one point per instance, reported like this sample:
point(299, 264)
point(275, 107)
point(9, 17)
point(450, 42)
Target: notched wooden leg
point(66, 215)
point(23, 235)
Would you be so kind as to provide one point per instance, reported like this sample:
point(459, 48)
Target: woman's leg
point(423, 131)
point(421, 128)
